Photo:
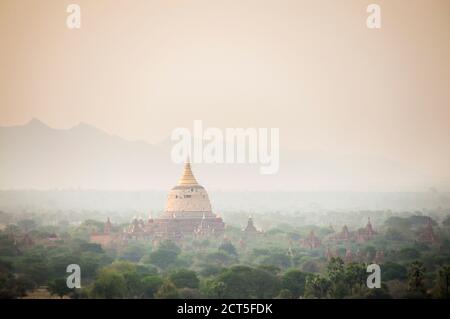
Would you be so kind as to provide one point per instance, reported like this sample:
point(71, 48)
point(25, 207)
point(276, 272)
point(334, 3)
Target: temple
point(310, 242)
point(360, 236)
point(427, 235)
point(251, 229)
point(188, 212)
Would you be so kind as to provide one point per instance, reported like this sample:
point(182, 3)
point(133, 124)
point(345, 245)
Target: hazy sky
point(312, 68)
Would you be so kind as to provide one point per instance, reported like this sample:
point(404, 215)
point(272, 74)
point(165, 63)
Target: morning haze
point(340, 93)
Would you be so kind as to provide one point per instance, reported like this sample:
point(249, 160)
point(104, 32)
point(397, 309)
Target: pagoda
point(250, 229)
point(188, 212)
point(427, 235)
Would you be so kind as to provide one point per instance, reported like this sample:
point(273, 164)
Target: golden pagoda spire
point(188, 177)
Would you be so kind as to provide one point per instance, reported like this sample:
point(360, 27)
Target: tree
point(110, 284)
point(317, 286)
point(220, 258)
point(378, 293)
point(133, 253)
point(294, 281)
point(337, 276)
point(247, 282)
point(189, 293)
point(278, 259)
point(150, 285)
point(91, 247)
point(213, 288)
point(166, 254)
point(355, 276)
point(90, 263)
point(408, 253)
point(163, 258)
point(442, 287)
point(184, 279)
point(310, 266)
point(59, 287)
point(392, 271)
point(169, 245)
point(167, 291)
point(285, 294)
point(416, 274)
point(228, 248)
point(335, 269)
point(11, 287)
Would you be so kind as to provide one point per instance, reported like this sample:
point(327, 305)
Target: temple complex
point(362, 235)
point(188, 213)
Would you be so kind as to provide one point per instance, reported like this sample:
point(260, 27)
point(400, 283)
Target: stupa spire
point(188, 177)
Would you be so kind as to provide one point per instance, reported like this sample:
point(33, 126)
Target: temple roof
point(188, 177)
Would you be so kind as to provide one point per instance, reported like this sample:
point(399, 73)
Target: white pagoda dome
point(188, 199)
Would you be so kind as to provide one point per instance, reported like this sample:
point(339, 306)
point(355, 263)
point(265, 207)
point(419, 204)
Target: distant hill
point(35, 156)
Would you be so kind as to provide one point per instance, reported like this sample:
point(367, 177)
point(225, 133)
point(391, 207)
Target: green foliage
point(189, 293)
point(247, 282)
point(442, 287)
point(220, 258)
point(150, 285)
point(59, 287)
point(213, 288)
point(133, 253)
point(210, 267)
point(294, 281)
point(184, 278)
point(91, 247)
point(294, 236)
point(167, 291)
point(394, 234)
point(378, 293)
point(408, 254)
point(392, 271)
point(163, 258)
point(14, 287)
point(228, 248)
point(170, 246)
point(416, 273)
point(278, 259)
point(210, 270)
point(355, 275)
point(317, 286)
point(110, 284)
point(123, 280)
point(285, 294)
point(7, 247)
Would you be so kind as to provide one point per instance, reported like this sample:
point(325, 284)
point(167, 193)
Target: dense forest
point(271, 264)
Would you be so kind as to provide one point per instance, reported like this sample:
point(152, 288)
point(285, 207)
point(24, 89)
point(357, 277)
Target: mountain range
point(36, 156)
